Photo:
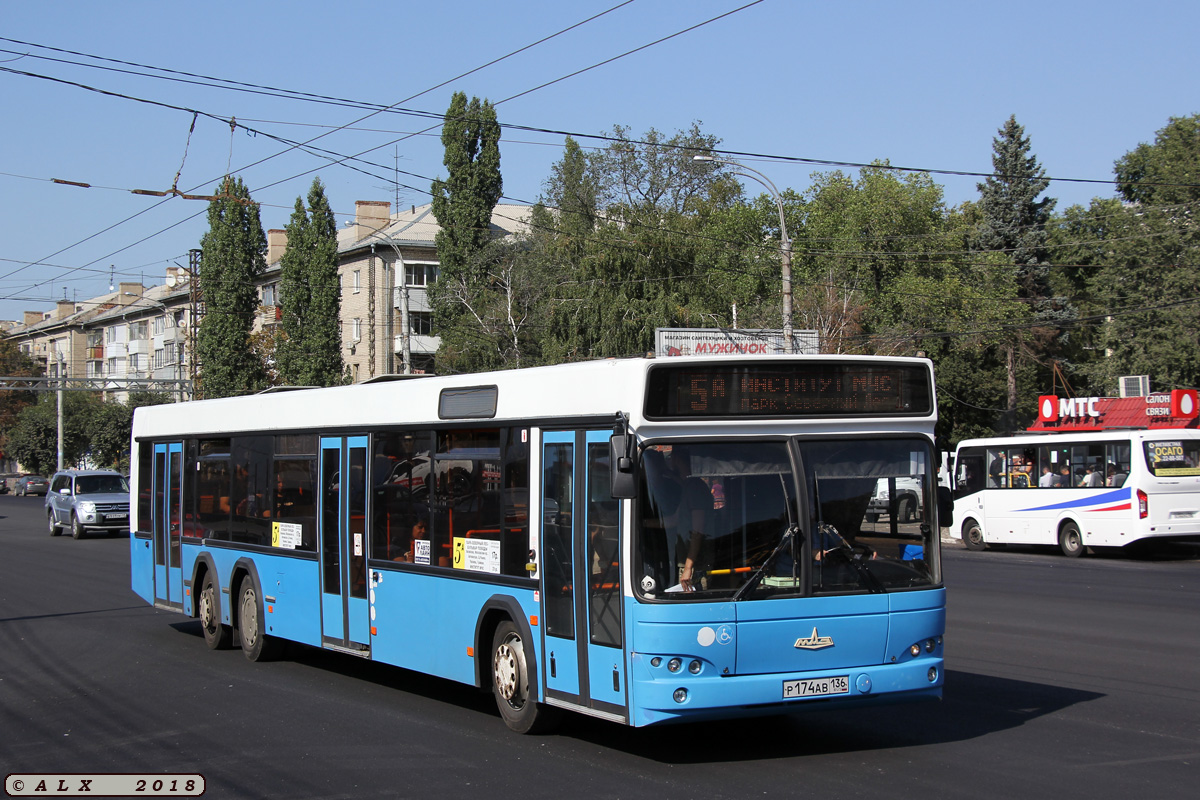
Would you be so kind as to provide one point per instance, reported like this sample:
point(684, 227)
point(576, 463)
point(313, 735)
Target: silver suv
point(87, 500)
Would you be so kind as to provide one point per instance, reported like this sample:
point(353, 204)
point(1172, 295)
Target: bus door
point(168, 524)
point(342, 543)
point(584, 663)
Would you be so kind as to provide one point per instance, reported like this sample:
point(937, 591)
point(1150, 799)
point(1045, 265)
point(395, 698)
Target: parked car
point(31, 484)
point(88, 500)
point(909, 501)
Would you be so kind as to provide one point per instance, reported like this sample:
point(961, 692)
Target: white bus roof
point(583, 389)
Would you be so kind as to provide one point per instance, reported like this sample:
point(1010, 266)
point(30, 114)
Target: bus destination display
point(813, 389)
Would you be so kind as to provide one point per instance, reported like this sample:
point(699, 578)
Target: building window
point(270, 294)
point(420, 323)
point(138, 331)
point(356, 281)
point(160, 325)
point(356, 328)
point(419, 274)
point(159, 358)
point(111, 333)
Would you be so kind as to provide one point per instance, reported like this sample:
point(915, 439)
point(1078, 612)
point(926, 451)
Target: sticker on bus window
point(287, 535)
point(477, 555)
point(421, 551)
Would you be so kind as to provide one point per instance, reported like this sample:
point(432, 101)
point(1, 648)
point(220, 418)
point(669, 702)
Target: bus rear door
point(342, 543)
point(168, 522)
point(583, 662)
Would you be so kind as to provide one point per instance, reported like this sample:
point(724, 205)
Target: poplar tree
point(463, 295)
point(310, 351)
point(463, 202)
point(234, 255)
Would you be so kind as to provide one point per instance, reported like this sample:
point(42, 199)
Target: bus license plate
point(816, 687)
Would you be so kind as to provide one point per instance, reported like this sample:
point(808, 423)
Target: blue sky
point(921, 84)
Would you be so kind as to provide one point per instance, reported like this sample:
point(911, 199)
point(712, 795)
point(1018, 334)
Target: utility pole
point(194, 300)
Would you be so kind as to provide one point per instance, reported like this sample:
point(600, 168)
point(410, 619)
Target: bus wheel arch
point(972, 534)
point(1070, 539)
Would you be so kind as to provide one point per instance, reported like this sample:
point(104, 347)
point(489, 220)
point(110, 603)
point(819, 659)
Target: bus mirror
point(623, 475)
point(945, 507)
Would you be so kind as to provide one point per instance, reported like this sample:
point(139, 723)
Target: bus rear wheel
point(972, 535)
point(256, 644)
point(1070, 540)
point(216, 635)
point(510, 683)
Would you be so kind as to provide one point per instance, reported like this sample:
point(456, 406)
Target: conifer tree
point(234, 255)
point(1013, 226)
point(309, 353)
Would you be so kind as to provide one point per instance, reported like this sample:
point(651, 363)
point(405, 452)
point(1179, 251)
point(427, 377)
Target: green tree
point(14, 363)
point(310, 351)
point(463, 204)
point(637, 264)
point(234, 255)
point(33, 440)
point(110, 428)
point(1138, 270)
point(1013, 222)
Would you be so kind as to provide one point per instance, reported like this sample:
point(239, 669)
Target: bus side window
point(970, 472)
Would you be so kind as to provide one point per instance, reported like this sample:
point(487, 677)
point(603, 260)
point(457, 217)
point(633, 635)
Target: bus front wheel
point(972, 535)
point(216, 635)
point(1070, 540)
point(510, 683)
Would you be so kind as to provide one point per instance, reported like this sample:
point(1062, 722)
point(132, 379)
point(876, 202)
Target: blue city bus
point(640, 540)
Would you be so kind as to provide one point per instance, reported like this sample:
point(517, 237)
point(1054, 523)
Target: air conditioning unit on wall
point(1135, 385)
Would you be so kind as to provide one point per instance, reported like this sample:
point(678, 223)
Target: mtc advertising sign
point(1175, 409)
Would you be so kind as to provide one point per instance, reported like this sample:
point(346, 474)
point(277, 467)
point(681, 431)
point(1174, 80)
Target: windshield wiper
point(754, 579)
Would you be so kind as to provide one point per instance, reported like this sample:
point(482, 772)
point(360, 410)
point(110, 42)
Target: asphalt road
point(1065, 678)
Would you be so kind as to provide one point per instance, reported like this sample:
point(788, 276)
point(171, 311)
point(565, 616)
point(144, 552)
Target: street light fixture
point(785, 242)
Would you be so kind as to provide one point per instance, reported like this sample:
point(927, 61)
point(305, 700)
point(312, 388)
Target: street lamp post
point(785, 248)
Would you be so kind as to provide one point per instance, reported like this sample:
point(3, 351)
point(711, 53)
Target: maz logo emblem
point(814, 642)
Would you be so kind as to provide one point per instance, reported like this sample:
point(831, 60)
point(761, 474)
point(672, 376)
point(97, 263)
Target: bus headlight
point(680, 695)
point(694, 667)
point(930, 644)
point(675, 664)
point(915, 650)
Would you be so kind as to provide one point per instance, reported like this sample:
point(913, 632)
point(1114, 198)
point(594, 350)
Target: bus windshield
point(726, 520)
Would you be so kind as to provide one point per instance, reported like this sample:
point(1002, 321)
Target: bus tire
point(257, 645)
point(216, 635)
point(1070, 540)
point(510, 683)
point(55, 528)
point(972, 535)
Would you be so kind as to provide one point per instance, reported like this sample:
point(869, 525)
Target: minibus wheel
point(972, 535)
point(1070, 540)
